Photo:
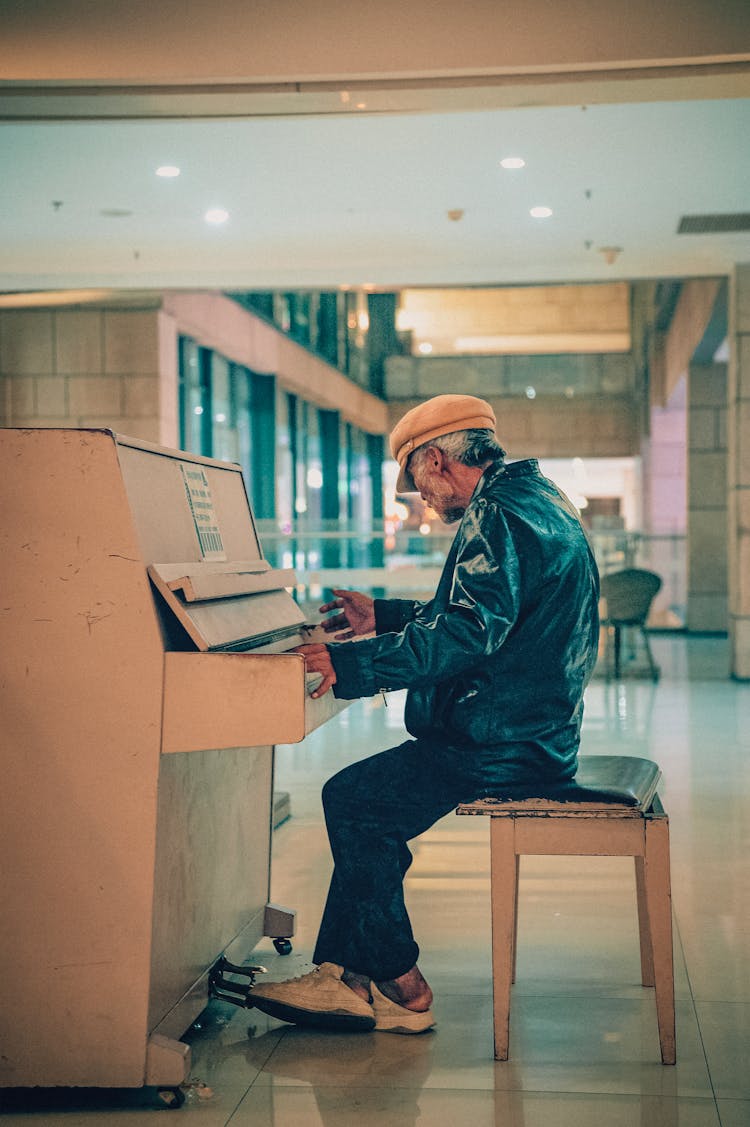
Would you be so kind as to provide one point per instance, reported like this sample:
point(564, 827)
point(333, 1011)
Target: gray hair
point(469, 447)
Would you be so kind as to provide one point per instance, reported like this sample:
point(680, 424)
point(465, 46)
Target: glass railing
point(407, 564)
point(664, 554)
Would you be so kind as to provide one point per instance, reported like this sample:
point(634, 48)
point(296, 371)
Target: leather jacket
point(497, 662)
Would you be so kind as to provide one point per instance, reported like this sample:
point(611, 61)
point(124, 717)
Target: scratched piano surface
point(584, 1048)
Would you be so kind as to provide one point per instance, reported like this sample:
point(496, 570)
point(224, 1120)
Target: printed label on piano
point(202, 507)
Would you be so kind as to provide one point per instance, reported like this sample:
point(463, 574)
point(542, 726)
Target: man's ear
point(435, 458)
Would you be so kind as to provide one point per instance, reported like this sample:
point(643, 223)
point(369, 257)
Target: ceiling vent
point(714, 224)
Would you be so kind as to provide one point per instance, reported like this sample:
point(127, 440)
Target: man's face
point(435, 486)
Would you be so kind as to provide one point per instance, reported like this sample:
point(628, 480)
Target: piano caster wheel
point(172, 1098)
point(283, 946)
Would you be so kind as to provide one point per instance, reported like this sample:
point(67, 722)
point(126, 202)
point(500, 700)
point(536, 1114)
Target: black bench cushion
point(617, 779)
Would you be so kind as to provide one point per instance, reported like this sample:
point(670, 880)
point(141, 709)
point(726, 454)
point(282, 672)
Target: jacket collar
point(524, 468)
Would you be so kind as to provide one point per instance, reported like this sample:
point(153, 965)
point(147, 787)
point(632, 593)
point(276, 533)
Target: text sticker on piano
point(202, 507)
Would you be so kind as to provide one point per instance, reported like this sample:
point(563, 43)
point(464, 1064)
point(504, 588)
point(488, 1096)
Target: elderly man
point(495, 663)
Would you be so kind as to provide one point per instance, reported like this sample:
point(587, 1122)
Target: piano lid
point(229, 607)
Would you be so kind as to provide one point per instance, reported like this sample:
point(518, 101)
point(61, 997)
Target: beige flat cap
point(441, 415)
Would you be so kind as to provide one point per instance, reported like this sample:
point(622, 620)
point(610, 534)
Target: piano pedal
point(224, 989)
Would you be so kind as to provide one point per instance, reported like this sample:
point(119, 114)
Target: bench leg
point(659, 905)
point(644, 927)
point(504, 871)
point(515, 919)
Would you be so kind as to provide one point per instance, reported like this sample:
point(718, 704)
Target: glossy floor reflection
point(584, 1044)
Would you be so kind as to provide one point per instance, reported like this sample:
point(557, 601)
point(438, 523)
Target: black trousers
point(372, 809)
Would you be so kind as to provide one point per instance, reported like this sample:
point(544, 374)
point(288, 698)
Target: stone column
point(738, 444)
point(664, 462)
point(707, 498)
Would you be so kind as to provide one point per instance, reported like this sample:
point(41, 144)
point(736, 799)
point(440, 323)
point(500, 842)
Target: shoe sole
point(341, 1022)
point(398, 1025)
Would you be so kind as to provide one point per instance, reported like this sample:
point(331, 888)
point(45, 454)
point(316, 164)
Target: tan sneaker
point(392, 1018)
point(319, 999)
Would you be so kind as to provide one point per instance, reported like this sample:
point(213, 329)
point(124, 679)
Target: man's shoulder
point(506, 481)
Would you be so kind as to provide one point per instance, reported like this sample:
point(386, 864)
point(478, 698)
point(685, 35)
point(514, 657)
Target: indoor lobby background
point(290, 331)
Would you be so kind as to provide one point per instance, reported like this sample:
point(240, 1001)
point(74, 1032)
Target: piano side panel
point(80, 696)
point(320, 711)
point(212, 864)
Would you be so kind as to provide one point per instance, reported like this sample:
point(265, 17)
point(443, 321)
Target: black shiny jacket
point(496, 663)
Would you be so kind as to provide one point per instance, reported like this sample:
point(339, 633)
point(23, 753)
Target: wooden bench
point(610, 809)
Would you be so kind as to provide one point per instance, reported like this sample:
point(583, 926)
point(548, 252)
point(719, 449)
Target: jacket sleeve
point(483, 605)
point(391, 615)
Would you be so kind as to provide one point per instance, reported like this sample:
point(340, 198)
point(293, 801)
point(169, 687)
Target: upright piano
point(144, 679)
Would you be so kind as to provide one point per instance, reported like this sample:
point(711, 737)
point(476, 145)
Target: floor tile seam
point(556, 1093)
point(678, 936)
point(546, 1093)
point(236, 1107)
point(632, 992)
point(283, 1031)
point(370, 1084)
point(722, 1002)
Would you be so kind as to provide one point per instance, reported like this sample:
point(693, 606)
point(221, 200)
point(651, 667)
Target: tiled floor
point(584, 1045)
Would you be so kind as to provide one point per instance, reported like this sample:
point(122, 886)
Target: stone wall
point(582, 406)
point(518, 319)
point(89, 368)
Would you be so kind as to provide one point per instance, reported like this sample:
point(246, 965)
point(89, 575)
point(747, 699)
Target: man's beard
point(450, 516)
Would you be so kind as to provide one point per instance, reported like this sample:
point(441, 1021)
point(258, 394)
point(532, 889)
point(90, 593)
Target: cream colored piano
point(143, 684)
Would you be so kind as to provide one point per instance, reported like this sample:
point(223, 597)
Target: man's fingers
point(328, 680)
point(318, 660)
point(337, 623)
point(342, 597)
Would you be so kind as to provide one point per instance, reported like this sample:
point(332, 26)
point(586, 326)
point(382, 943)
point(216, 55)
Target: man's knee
point(337, 790)
point(384, 777)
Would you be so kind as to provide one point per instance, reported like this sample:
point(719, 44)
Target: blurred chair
point(629, 595)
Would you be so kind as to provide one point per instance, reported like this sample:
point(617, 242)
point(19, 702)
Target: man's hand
point(318, 660)
point(357, 615)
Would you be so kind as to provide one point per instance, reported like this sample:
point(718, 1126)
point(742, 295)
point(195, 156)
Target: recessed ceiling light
point(424, 347)
point(540, 212)
point(168, 171)
point(512, 162)
point(216, 215)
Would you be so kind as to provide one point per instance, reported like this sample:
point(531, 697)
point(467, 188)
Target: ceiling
point(331, 200)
